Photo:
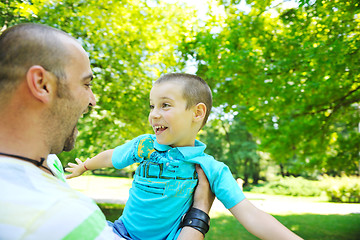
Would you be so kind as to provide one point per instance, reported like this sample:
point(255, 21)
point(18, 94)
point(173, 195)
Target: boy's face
point(169, 118)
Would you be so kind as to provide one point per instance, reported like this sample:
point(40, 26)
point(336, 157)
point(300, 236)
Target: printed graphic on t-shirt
point(158, 175)
point(145, 148)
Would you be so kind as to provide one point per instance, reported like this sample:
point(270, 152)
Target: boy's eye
point(151, 106)
point(165, 105)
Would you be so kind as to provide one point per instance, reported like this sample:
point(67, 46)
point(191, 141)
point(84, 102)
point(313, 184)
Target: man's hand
point(203, 196)
point(203, 200)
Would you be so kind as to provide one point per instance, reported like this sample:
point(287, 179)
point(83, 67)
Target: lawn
point(308, 226)
point(224, 226)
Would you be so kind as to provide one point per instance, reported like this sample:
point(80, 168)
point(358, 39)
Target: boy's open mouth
point(159, 129)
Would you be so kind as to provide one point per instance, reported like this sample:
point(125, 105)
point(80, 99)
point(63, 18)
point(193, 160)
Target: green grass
point(308, 226)
point(111, 211)
point(226, 227)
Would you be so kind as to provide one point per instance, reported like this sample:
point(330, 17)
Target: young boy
point(164, 181)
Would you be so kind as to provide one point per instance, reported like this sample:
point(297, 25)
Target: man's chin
point(70, 141)
point(69, 146)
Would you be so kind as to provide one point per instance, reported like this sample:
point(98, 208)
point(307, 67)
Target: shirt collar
point(161, 148)
point(187, 152)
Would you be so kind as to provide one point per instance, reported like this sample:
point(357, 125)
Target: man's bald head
point(26, 45)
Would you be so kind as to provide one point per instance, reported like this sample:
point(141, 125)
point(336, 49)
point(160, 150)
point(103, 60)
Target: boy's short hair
point(195, 90)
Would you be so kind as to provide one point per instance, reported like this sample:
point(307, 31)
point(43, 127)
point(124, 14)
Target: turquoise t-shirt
point(164, 182)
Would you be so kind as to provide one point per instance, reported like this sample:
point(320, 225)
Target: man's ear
point(199, 112)
point(39, 83)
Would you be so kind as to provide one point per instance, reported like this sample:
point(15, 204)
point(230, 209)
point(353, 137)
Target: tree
point(131, 43)
point(16, 11)
point(228, 141)
point(296, 73)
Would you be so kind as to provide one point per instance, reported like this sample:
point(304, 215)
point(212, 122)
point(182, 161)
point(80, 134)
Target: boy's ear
point(199, 112)
point(39, 82)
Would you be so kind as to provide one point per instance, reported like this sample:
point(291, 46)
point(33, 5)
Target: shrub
point(341, 189)
point(290, 186)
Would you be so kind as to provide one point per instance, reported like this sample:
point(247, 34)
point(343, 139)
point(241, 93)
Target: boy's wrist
point(84, 165)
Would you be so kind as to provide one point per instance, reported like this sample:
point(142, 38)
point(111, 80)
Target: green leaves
point(292, 74)
point(130, 43)
point(296, 73)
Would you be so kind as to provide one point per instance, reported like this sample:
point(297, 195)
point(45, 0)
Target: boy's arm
point(260, 223)
point(102, 160)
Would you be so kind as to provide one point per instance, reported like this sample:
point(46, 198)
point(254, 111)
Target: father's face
point(76, 98)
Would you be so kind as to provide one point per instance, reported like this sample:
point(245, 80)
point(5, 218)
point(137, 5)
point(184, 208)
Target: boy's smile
point(159, 129)
point(171, 121)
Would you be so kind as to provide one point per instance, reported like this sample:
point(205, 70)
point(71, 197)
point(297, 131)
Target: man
point(45, 80)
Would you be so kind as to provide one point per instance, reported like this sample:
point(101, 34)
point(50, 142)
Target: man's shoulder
point(37, 204)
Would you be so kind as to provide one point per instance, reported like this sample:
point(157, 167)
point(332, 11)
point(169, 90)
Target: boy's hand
point(75, 169)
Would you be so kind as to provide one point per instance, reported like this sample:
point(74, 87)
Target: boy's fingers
point(72, 165)
point(69, 169)
point(78, 160)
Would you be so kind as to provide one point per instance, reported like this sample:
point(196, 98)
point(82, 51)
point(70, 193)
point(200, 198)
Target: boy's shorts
point(119, 228)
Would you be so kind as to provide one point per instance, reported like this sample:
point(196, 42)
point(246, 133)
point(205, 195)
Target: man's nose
point(92, 100)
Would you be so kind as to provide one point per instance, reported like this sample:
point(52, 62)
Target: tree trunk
point(246, 172)
point(256, 173)
point(282, 170)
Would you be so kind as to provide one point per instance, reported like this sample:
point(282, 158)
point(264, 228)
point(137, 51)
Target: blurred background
point(285, 77)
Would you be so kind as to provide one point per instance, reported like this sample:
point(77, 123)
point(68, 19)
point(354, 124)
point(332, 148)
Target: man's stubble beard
point(69, 143)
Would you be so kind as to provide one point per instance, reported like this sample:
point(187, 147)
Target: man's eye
point(88, 84)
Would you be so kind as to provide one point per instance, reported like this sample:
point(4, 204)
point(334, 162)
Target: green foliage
point(290, 186)
point(290, 76)
point(337, 189)
point(296, 72)
point(229, 141)
point(16, 11)
point(342, 189)
point(131, 43)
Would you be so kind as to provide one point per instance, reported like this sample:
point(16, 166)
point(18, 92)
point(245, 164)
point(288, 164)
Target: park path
point(114, 190)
